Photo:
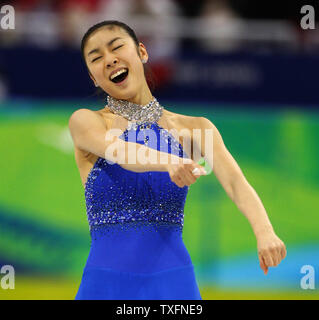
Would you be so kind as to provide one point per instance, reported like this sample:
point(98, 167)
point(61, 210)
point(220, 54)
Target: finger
point(193, 167)
point(283, 252)
point(263, 265)
point(275, 255)
point(195, 172)
point(184, 177)
point(279, 253)
point(198, 171)
point(189, 178)
point(179, 181)
point(176, 180)
point(267, 258)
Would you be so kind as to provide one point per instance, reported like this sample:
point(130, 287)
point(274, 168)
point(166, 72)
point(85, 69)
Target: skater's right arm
point(89, 133)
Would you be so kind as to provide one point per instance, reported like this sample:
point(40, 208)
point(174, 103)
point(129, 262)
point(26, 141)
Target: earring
point(96, 85)
point(144, 61)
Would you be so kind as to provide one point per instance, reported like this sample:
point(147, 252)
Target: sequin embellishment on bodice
point(115, 195)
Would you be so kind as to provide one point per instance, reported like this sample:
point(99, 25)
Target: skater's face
point(115, 62)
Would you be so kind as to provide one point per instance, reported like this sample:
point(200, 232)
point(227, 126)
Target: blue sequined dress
point(136, 223)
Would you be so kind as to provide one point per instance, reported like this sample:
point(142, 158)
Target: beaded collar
point(136, 112)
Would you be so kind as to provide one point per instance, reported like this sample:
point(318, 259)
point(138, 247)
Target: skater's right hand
point(185, 174)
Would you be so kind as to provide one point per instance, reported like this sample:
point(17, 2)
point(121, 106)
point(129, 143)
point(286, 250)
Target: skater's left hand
point(271, 250)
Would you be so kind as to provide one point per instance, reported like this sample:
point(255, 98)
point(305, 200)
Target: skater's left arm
point(271, 250)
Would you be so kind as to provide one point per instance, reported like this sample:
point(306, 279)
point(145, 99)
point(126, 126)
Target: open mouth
point(119, 76)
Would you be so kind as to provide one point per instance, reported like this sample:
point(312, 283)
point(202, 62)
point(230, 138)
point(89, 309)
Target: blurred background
point(247, 66)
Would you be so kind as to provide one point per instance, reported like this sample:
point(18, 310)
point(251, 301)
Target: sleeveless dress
point(136, 223)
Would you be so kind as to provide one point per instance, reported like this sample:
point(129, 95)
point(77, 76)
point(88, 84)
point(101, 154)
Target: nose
point(111, 62)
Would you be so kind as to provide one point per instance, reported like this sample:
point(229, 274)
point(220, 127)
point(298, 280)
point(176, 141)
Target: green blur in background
point(44, 232)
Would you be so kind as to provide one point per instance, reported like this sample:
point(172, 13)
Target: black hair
point(111, 23)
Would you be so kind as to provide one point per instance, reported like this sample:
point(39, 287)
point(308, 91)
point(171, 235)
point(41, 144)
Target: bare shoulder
point(81, 120)
point(184, 121)
point(191, 122)
point(85, 116)
point(204, 123)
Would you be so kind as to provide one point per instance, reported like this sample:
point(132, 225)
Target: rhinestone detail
point(115, 195)
point(136, 112)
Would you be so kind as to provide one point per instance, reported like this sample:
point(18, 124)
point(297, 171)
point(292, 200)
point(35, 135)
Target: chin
point(124, 95)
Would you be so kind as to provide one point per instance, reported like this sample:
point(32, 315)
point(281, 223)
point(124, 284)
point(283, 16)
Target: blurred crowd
point(63, 22)
point(166, 27)
point(159, 24)
point(162, 25)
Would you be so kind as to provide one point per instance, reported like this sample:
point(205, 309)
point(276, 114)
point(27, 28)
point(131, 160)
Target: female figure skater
point(135, 208)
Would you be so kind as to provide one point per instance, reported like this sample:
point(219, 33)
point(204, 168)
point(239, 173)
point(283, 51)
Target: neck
point(142, 98)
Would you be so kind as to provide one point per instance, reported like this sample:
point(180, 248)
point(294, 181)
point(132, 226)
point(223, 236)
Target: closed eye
point(118, 47)
point(112, 50)
point(96, 59)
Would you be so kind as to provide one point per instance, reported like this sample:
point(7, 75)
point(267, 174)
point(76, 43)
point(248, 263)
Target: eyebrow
point(108, 44)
